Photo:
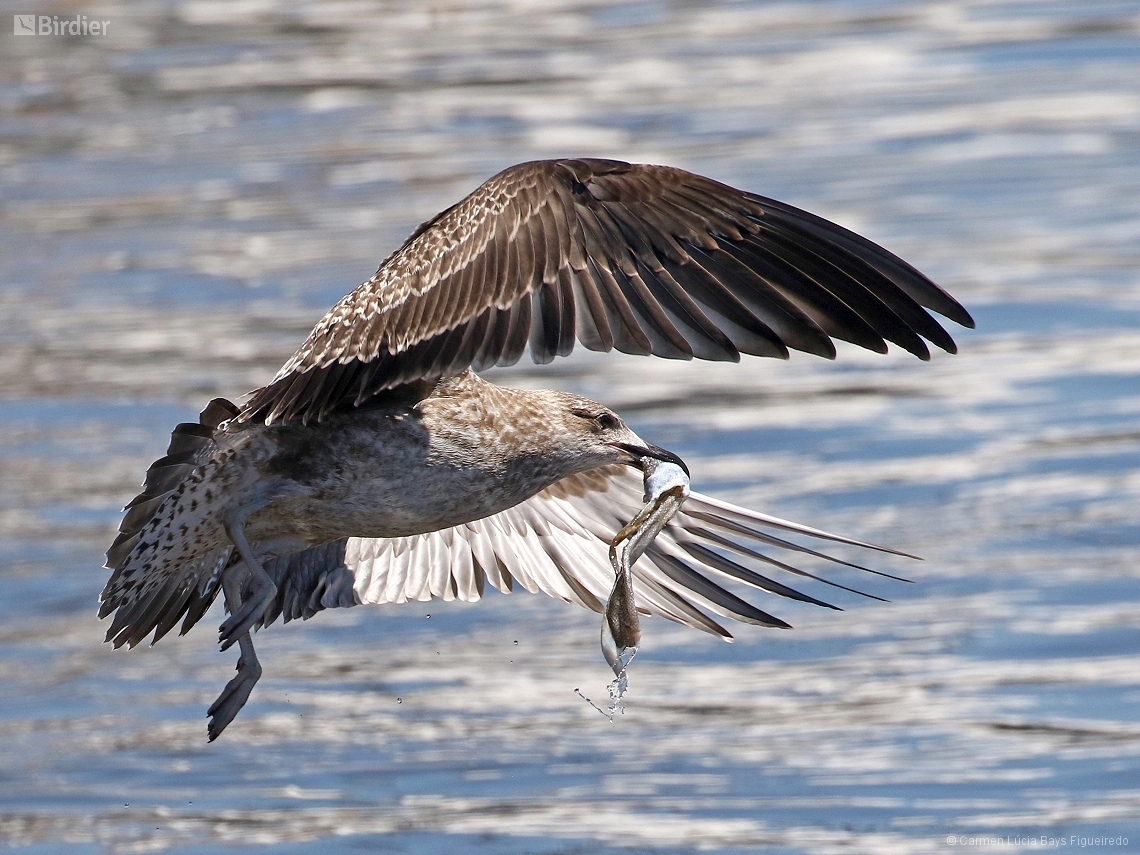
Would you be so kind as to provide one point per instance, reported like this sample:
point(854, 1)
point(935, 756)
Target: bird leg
point(236, 692)
point(242, 618)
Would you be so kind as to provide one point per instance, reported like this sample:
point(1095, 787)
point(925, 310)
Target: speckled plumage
point(376, 467)
point(466, 450)
point(644, 259)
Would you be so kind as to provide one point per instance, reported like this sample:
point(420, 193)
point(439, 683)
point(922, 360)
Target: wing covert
point(644, 259)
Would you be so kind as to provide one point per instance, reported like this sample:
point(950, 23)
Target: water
point(182, 198)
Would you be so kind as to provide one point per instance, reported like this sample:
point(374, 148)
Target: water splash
point(616, 689)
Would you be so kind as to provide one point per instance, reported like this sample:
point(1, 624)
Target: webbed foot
point(236, 692)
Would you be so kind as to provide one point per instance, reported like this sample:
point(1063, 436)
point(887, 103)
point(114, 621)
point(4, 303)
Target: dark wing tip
point(962, 317)
point(638, 258)
point(920, 288)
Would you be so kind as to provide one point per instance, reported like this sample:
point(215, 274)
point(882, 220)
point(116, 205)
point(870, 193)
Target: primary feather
point(377, 467)
point(644, 259)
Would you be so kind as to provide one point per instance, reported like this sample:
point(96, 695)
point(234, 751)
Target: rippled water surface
point(182, 198)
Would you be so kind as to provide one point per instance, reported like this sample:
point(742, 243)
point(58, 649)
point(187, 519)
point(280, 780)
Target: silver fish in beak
point(666, 488)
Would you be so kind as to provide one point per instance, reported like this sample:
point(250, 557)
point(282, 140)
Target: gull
point(378, 467)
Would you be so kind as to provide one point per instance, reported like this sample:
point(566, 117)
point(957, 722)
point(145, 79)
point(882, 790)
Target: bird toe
point(232, 698)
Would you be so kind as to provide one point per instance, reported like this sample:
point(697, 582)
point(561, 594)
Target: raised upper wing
point(644, 259)
point(557, 542)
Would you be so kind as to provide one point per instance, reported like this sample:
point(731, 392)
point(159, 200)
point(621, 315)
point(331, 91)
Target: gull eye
point(600, 421)
point(607, 421)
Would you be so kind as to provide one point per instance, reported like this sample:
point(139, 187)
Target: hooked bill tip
point(654, 451)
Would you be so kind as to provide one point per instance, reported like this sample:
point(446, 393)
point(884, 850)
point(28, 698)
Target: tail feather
point(199, 602)
point(143, 604)
point(190, 446)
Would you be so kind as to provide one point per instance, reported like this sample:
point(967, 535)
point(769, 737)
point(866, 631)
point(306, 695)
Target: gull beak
point(637, 452)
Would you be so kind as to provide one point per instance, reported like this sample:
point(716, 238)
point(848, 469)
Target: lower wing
point(558, 542)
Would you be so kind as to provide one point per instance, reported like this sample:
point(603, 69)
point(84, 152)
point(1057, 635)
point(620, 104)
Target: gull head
point(600, 437)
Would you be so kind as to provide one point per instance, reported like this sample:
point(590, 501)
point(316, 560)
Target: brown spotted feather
point(170, 550)
point(645, 259)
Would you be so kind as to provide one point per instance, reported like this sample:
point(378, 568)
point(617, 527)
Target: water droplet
point(399, 700)
point(516, 641)
point(429, 617)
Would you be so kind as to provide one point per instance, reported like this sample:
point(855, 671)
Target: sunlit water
point(182, 198)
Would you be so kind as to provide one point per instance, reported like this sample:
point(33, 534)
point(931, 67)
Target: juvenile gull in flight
point(377, 467)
